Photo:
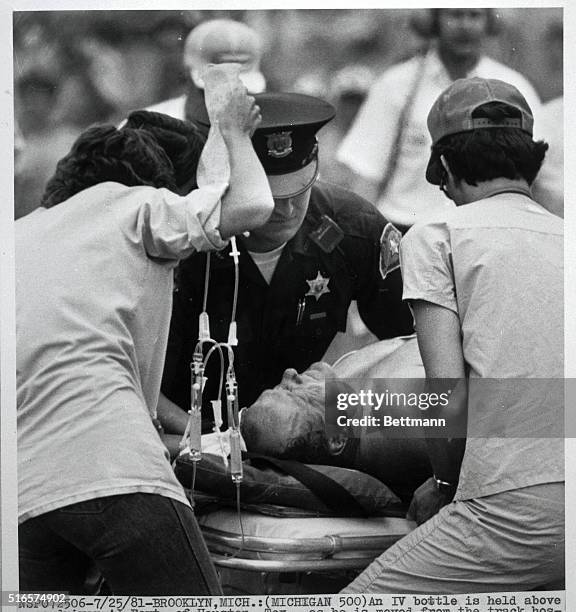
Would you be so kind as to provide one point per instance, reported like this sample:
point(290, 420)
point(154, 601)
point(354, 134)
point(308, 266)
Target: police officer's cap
point(285, 141)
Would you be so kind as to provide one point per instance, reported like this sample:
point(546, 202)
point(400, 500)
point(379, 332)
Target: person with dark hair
point(129, 157)
point(94, 278)
point(387, 146)
point(486, 288)
point(485, 155)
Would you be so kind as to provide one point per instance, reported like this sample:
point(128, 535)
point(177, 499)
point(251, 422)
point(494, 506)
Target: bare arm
point(172, 443)
point(171, 416)
point(173, 420)
point(249, 189)
point(440, 344)
point(234, 116)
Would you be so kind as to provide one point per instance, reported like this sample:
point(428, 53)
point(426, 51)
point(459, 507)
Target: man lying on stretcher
point(288, 422)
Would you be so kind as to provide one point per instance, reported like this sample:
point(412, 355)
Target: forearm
point(229, 155)
point(446, 457)
point(172, 443)
point(438, 332)
point(248, 201)
point(171, 416)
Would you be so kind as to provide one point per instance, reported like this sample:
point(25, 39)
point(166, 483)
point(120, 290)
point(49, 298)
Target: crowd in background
point(72, 69)
point(468, 270)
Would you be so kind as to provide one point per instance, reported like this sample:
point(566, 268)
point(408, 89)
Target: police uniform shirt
point(291, 321)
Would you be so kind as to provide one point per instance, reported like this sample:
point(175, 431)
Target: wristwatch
point(444, 487)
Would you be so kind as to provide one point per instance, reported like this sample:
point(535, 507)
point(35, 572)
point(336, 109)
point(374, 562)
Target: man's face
point(289, 411)
point(284, 222)
point(461, 32)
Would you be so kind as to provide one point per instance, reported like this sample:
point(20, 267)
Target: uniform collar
point(301, 244)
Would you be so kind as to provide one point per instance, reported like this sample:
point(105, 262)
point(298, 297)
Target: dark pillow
point(270, 486)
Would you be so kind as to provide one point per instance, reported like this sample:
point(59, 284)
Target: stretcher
point(298, 546)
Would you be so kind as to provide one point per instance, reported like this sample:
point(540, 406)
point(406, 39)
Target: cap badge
point(389, 249)
point(279, 144)
point(318, 286)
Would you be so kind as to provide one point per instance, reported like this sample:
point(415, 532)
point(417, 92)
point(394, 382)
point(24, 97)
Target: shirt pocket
point(319, 319)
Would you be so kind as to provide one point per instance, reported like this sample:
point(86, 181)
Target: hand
point(228, 102)
point(427, 501)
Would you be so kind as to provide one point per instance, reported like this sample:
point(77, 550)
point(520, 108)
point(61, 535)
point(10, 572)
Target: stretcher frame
point(324, 553)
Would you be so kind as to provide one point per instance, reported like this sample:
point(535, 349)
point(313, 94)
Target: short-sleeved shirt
point(94, 278)
point(498, 264)
point(369, 145)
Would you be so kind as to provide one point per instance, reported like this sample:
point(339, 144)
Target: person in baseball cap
point(486, 286)
point(459, 109)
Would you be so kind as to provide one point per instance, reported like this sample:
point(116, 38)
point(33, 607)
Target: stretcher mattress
point(298, 544)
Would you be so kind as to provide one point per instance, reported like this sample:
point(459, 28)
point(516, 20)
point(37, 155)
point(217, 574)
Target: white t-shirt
point(94, 281)
point(174, 107)
point(267, 262)
point(367, 148)
point(498, 264)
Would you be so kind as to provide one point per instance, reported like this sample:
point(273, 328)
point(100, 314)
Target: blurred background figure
point(347, 90)
point(215, 41)
point(548, 187)
point(388, 145)
point(19, 146)
point(74, 68)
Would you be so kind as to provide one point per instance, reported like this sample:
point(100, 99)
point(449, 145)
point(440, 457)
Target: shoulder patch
point(389, 249)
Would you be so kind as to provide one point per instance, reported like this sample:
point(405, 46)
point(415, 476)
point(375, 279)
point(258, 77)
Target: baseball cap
point(285, 141)
point(221, 41)
point(453, 113)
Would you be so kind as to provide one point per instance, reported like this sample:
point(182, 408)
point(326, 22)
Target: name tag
point(317, 315)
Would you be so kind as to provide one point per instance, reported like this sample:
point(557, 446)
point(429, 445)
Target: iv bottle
point(214, 164)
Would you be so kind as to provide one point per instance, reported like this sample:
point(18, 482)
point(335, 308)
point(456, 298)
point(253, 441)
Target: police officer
point(322, 248)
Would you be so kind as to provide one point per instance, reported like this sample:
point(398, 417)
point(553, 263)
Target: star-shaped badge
point(318, 286)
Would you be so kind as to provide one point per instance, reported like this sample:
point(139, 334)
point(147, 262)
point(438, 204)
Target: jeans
point(142, 544)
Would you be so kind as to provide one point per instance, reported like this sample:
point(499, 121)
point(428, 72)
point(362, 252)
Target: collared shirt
point(174, 107)
point(368, 147)
point(94, 279)
point(187, 107)
point(284, 324)
point(498, 264)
